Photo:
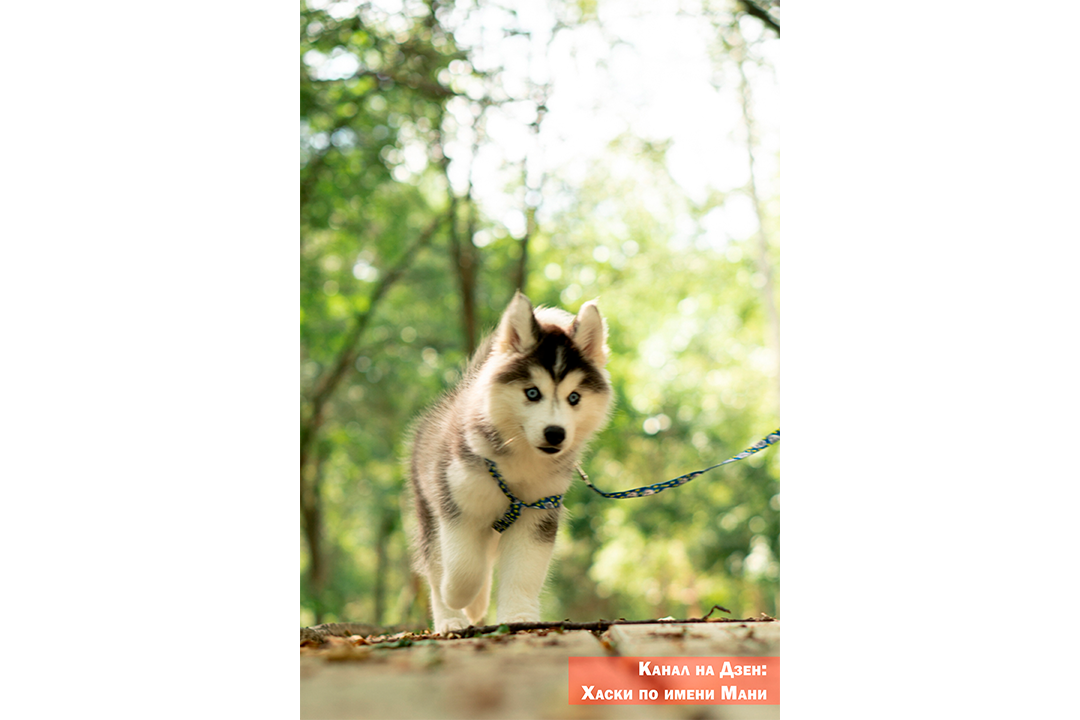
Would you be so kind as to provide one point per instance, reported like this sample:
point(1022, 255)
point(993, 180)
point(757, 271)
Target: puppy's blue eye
point(573, 398)
point(533, 394)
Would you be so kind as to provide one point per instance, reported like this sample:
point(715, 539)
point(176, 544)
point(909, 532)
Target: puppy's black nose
point(554, 434)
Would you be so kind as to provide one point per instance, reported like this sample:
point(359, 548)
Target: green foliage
point(694, 376)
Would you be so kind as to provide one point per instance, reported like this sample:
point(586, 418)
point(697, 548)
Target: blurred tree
point(767, 11)
point(370, 83)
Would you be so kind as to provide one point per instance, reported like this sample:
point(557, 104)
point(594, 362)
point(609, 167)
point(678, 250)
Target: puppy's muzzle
point(554, 436)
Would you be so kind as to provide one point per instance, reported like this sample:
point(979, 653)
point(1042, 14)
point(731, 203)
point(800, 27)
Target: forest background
point(454, 152)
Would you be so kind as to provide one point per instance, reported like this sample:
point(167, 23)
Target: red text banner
point(674, 681)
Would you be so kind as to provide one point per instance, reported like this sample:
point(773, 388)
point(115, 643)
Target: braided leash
point(553, 501)
point(683, 479)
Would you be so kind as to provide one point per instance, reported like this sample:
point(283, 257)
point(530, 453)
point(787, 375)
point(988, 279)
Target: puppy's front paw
point(450, 625)
point(520, 617)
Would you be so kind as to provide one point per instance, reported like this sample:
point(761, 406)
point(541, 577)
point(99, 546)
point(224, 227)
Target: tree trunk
point(761, 239)
point(386, 526)
point(311, 518)
point(541, 93)
point(465, 260)
point(521, 277)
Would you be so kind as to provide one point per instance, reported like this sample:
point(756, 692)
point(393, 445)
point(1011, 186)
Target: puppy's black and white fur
point(532, 396)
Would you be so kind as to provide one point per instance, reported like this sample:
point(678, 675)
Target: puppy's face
point(549, 389)
point(551, 414)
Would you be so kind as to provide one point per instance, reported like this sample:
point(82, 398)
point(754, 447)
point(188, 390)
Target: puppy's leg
point(444, 618)
point(466, 547)
point(478, 608)
point(524, 555)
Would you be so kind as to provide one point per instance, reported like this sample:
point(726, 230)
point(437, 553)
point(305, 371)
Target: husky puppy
point(532, 396)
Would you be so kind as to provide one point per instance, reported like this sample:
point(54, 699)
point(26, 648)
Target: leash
point(683, 479)
point(553, 501)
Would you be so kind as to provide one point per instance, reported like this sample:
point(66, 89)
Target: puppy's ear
point(589, 333)
point(518, 330)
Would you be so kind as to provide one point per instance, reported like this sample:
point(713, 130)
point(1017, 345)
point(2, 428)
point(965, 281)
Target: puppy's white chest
point(478, 493)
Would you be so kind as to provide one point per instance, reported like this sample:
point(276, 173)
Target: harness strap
point(546, 503)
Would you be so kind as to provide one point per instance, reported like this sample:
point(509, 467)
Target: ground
point(353, 671)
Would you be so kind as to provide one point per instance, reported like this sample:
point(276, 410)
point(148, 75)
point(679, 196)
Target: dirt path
point(508, 675)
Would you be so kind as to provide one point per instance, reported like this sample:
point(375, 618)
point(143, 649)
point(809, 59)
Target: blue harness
point(554, 501)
